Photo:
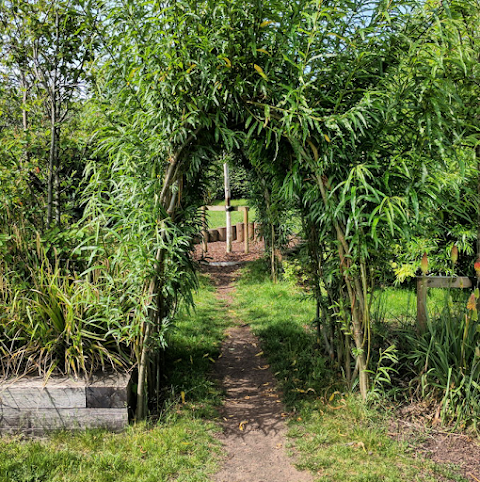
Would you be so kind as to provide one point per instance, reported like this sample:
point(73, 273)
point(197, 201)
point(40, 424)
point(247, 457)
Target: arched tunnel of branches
point(360, 118)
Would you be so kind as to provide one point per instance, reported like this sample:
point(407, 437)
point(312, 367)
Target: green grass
point(194, 345)
point(180, 447)
point(160, 453)
point(343, 440)
point(400, 304)
point(216, 219)
point(336, 436)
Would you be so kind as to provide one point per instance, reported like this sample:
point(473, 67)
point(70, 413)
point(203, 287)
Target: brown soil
point(217, 252)
point(252, 417)
point(414, 425)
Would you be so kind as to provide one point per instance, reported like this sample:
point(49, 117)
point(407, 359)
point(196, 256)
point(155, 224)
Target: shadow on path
point(252, 416)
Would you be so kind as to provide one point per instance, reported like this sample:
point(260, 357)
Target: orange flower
point(472, 302)
point(454, 254)
point(477, 267)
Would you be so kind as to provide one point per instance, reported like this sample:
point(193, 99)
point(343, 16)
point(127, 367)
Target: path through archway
point(253, 416)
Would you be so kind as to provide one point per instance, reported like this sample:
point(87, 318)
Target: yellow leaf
point(182, 394)
point(326, 137)
point(266, 23)
point(332, 396)
point(242, 424)
point(263, 51)
point(259, 354)
point(314, 149)
point(227, 61)
point(260, 71)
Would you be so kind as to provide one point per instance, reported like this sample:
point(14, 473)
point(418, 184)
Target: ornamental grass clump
point(447, 362)
point(56, 321)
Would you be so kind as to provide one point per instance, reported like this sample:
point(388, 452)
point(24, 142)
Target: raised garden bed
point(29, 405)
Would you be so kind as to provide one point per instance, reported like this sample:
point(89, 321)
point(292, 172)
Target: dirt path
point(252, 417)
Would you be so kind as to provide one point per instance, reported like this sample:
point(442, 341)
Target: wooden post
point(425, 282)
point(227, 207)
point(422, 304)
point(245, 229)
point(204, 230)
point(239, 227)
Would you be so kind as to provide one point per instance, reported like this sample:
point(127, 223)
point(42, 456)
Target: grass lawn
point(336, 436)
point(216, 219)
point(400, 304)
point(180, 447)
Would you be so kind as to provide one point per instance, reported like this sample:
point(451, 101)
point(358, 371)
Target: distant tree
point(47, 48)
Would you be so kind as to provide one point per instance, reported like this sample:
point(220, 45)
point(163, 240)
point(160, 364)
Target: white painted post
point(227, 207)
point(245, 229)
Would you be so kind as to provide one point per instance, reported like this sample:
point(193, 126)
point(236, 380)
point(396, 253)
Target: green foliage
point(278, 314)
point(180, 446)
point(335, 434)
point(385, 367)
point(446, 362)
point(47, 48)
point(64, 322)
point(292, 272)
point(239, 182)
point(359, 118)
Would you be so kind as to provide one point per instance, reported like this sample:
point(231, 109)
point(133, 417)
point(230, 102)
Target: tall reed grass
point(53, 319)
point(446, 360)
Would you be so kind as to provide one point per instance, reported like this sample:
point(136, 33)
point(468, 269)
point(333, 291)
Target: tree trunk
point(356, 292)
point(56, 178)
point(52, 164)
point(25, 113)
point(142, 397)
point(477, 155)
point(53, 207)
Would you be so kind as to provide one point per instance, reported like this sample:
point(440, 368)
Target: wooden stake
point(245, 230)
